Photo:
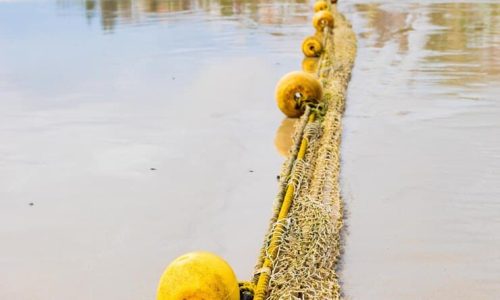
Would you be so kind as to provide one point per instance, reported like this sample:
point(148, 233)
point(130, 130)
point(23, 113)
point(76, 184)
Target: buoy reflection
point(284, 136)
point(310, 64)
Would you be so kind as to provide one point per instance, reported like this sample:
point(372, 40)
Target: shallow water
point(134, 131)
point(421, 152)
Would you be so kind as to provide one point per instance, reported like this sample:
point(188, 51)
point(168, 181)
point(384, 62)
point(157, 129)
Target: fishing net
point(309, 247)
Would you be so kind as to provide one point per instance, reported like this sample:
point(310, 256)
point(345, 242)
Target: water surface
point(421, 152)
point(134, 131)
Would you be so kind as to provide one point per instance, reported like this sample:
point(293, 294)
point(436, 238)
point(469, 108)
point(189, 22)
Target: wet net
point(309, 249)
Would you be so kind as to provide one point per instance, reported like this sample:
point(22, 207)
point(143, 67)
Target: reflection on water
point(283, 140)
point(463, 47)
point(386, 25)
point(111, 12)
point(310, 64)
point(420, 159)
point(467, 42)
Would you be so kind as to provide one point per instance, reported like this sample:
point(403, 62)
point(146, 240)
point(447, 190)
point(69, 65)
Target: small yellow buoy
point(310, 64)
point(198, 275)
point(312, 46)
point(295, 90)
point(320, 5)
point(322, 19)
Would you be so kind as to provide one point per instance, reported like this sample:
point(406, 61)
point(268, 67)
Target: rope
point(284, 199)
point(279, 229)
point(287, 169)
point(325, 36)
point(283, 183)
point(302, 246)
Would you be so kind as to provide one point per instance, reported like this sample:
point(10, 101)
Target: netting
point(309, 247)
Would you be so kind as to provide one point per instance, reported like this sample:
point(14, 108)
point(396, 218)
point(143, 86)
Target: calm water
point(421, 152)
point(134, 131)
point(94, 95)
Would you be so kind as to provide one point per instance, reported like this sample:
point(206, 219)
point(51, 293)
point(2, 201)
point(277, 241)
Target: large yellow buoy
point(322, 19)
point(312, 46)
point(295, 90)
point(320, 5)
point(310, 64)
point(198, 275)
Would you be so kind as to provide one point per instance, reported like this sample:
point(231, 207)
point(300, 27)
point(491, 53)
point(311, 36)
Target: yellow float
point(312, 46)
point(198, 275)
point(322, 19)
point(320, 5)
point(295, 90)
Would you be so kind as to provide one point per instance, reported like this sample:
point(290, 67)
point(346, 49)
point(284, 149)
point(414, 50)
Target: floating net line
point(304, 266)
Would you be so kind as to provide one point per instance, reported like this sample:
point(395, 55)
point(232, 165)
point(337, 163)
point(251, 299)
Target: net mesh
point(305, 265)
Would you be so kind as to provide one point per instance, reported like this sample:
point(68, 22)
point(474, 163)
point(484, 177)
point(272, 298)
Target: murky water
point(134, 131)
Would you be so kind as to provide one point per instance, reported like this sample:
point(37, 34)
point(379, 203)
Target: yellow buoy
point(320, 5)
point(295, 90)
point(322, 19)
point(312, 46)
point(198, 275)
point(310, 64)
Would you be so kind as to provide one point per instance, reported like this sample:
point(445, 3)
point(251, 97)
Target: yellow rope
point(301, 128)
point(265, 271)
point(283, 183)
